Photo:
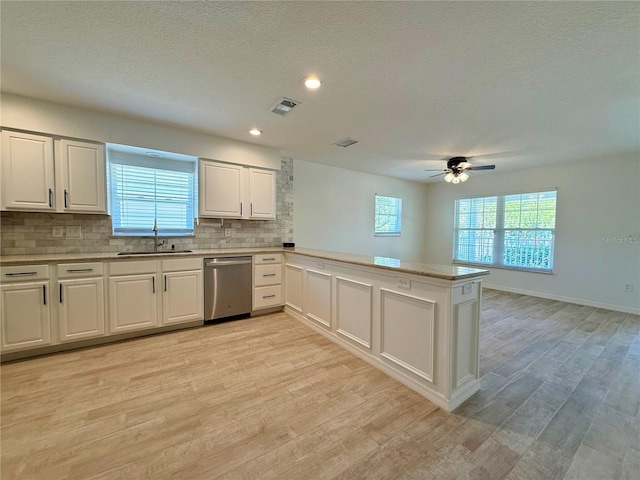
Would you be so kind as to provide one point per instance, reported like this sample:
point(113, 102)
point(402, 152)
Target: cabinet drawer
point(265, 258)
point(79, 270)
point(133, 268)
point(181, 264)
point(24, 272)
point(264, 297)
point(267, 275)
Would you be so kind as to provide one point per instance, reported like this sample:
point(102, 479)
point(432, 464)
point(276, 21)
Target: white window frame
point(499, 231)
point(378, 214)
point(178, 163)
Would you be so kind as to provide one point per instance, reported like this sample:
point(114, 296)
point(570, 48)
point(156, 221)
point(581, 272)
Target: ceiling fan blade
point(431, 176)
point(434, 170)
point(482, 167)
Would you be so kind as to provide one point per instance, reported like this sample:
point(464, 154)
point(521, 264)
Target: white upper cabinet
point(27, 172)
point(81, 168)
point(36, 180)
point(262, 194)
point(221, 190)
point(233, 191)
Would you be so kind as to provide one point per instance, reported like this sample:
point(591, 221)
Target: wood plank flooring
point(268, 398)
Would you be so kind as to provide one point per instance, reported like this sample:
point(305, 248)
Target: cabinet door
point(81, 308)
point(262, 194)
point(182, 297)
point(221, 190)
point(133, 302)
point(27, 172)
point(25, 316)
point(82, 168)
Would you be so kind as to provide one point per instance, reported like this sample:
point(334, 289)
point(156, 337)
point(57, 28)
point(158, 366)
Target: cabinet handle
point(268, 296)
point(76, 270)
point(60, 293)
point(165, 283)
point(251, 205)
point(44, 294)
point(20, 274)
point(272, 259)
point(268, 274)
point(65, 199)
point(50, 198)
point(153, 284)
point(240, 208)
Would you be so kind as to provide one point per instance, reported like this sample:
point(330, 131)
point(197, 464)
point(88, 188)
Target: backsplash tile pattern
point(23, 233)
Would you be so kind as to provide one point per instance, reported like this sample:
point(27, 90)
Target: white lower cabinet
point(81, 308)
point(133, 302)
point(267, 281)
point(147, 294)
point(133, 296)
point(182, 292)
point(25, 314)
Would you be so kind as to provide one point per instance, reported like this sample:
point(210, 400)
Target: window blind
point(144, 191)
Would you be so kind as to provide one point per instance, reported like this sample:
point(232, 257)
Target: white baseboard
point(550, 296)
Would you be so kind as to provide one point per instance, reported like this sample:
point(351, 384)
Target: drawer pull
point(270, 259)
point(78, 270)
point(268, 296)
point(268, 274)
point(20, 274)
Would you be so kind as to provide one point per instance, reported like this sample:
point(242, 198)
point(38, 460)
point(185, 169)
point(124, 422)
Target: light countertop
point(446, 272)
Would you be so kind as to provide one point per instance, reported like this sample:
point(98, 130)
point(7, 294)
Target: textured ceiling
point(526, 83)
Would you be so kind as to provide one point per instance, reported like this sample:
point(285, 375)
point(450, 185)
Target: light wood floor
point(267, 398)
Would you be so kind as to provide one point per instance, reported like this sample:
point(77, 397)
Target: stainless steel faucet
point(156, 244)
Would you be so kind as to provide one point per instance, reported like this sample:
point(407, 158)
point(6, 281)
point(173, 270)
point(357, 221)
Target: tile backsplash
point(24, 233)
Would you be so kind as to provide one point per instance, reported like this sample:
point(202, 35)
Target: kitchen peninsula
point(417, 322)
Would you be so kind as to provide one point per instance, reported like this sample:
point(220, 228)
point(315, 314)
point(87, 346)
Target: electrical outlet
point(628, 287)
point(227, 232)
point(404, 283)
point(74, 232)
point(57, 231)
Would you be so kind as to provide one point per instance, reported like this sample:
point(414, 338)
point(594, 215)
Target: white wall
point(597, 200)
point(67, 121)
point(333, 209)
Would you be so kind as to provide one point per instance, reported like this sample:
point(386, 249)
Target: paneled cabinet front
point(27, 172)
point(81, 307)
point(233, 191)
point(40, 174)
point(133, 296)
point(25, 307)
point(182, 291)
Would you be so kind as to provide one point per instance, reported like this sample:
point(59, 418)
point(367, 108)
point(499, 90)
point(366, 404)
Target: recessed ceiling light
point(256, 132)
point(312, 82)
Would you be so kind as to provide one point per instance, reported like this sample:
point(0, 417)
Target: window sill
point(387, 234)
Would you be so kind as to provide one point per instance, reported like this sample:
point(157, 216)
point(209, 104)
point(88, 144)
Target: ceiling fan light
point(448, 177)
point(463, 165)
point(464, 177)
point(455, 180)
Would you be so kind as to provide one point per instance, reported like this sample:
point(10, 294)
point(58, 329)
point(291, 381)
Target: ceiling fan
point(457, 168)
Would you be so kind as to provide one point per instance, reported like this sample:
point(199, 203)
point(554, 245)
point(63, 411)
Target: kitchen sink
point(160, 252)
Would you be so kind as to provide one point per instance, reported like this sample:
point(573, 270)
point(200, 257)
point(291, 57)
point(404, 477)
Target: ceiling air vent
point(347, 142)
point(284, 106)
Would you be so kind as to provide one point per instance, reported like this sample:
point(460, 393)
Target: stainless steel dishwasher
point(227, 287)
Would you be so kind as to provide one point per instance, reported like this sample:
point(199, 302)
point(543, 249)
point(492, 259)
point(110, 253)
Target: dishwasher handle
point(224, 262)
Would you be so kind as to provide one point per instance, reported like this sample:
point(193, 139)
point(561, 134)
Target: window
point(507, 231)
point(388, 216)
point(145, 190)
